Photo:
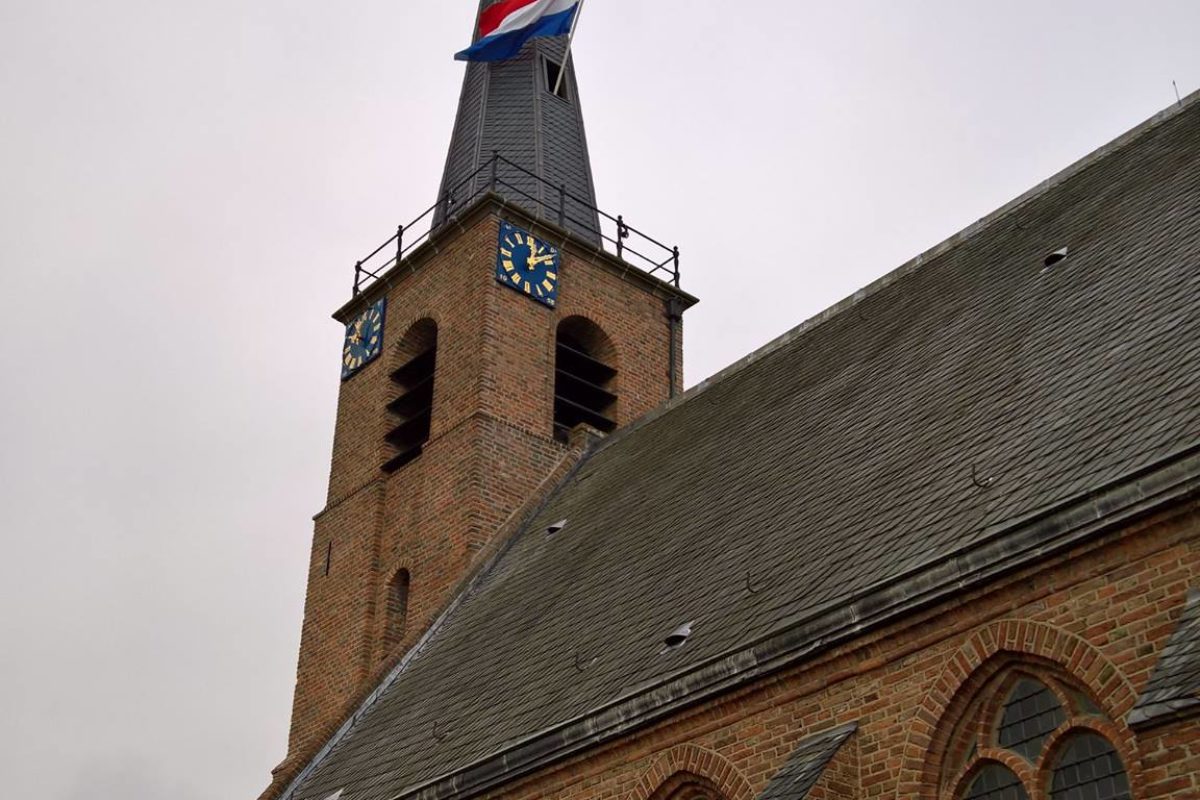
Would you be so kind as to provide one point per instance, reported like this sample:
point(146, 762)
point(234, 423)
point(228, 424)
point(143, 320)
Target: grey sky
point(186, 186)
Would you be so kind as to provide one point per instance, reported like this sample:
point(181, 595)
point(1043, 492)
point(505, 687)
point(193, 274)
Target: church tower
point(513, 325)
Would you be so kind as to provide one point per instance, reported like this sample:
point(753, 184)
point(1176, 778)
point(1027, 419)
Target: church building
point(939, 542)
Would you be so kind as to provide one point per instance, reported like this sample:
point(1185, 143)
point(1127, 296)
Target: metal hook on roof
point(750, 587)
point(982, 483)
point(579, 665)
point(439, 733)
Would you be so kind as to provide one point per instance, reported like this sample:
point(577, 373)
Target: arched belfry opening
point(410, 395)
point(585, 378)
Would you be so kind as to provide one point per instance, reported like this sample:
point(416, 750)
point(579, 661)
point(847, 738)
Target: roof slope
point(806, 764)
point(1174, 688)
point(962, 395)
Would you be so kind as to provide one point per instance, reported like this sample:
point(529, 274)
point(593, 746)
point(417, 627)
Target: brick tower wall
point(491, 446)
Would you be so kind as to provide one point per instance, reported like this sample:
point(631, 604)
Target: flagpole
point(570, 41)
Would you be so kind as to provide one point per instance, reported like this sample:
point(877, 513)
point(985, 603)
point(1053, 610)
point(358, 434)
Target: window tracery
point(1088, 768)
point(1032, 733)
point(1031, 714)
point(995, 782)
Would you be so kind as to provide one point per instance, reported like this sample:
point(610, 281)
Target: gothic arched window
point(585, 378)
point(687, 786)
point(1027, 730)
point(995, 782)
point(1031, 713)
point(1088, 768)
point(410, 395)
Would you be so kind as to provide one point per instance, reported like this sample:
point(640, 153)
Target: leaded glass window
point(1031, 713)
point(995, 782)
point(1023, 736)
point(1089, 769)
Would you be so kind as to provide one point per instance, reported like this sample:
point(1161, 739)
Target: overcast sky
point(184, 187)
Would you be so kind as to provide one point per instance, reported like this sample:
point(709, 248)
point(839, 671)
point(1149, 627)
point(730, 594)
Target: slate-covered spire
point(508, 107)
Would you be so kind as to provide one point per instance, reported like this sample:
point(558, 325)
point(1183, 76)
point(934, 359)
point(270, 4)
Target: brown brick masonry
point(491, 451)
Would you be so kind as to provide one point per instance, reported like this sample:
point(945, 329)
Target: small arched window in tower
point(410, 403)
point(584, 378)
point(397, 611)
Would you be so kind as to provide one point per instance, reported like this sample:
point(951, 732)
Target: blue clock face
point(527, 264)
point(364, 339)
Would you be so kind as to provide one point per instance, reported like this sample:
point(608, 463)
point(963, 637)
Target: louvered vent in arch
point(410, 407)
point(585, 377)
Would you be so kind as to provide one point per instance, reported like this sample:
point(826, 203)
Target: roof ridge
point(912, 265)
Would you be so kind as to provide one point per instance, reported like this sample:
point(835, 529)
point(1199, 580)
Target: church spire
point(508, 107)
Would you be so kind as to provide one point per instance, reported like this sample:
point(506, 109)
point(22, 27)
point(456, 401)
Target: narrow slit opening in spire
point(552, 70)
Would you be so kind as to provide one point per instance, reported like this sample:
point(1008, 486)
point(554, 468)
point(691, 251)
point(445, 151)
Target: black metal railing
point(614, 234)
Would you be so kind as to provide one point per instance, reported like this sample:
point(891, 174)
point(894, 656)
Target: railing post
point(622, 234)
point(562, 205)
point(495, 169)
point(676, 255)
point(399, 243)
point(357, 275)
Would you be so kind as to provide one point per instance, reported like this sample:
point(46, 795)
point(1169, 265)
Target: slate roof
point(806, 764)
point(1174, 687)
point(929, 417)
point(507, 107)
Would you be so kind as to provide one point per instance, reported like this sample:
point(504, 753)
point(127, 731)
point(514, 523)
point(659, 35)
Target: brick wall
point(491, 446)
point(1099, 615)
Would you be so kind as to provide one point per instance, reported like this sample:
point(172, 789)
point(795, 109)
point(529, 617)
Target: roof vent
point(556, 527)
point(1055, 257)
point(678, 637)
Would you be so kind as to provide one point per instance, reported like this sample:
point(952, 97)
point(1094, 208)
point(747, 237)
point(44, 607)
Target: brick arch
point(986, 653)
point(687, 760)
point(593, 336)
point(418, 335)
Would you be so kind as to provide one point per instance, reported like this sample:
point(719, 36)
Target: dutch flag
point(506, 26)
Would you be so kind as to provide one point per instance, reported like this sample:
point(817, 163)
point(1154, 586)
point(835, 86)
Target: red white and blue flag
point(505, 27)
